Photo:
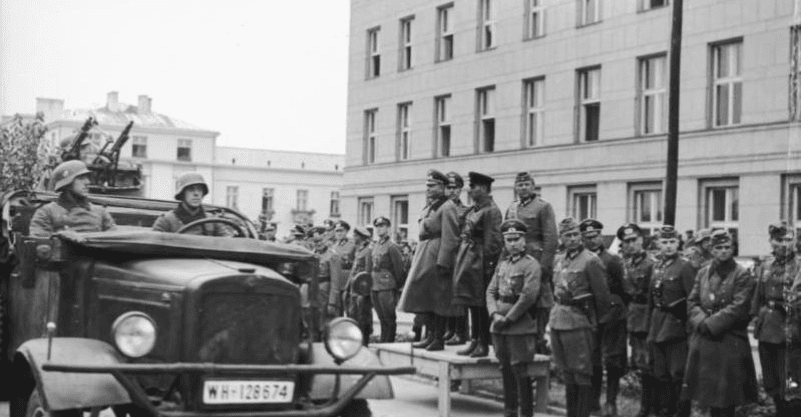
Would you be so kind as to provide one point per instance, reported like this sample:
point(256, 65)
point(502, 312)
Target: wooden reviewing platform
point(447, 366)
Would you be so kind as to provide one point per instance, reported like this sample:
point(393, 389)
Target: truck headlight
point(134, 334)
point(343, 339)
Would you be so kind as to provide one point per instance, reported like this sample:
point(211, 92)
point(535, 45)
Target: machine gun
point(111, 178)
point(75, 150)
point(111, 157)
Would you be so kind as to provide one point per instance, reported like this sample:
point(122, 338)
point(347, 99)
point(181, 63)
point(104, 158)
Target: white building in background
point(289, 186)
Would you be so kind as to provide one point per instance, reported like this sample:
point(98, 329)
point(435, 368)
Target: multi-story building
point(575, 92)
point(289, 187)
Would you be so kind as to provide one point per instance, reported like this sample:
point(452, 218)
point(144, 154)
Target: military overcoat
point(480, 247)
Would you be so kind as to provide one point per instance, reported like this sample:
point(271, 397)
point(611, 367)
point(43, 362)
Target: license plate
point(247, 392)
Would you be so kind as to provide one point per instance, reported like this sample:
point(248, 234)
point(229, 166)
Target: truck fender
point(64, 391)
point(322, 385)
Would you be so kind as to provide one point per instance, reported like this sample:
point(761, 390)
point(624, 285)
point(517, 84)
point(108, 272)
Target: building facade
point(289, 187)
point(575, 91)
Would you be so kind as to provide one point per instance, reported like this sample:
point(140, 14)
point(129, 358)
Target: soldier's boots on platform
point(469, 348)
point(460, 335)
point(425, 341)
point(482, 327)
point(450, 328)
point(438, 330)
point(475, 332)
point(647, 398)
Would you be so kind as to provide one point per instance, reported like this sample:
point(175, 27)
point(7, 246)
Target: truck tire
point(356, 408)
point(36, 408)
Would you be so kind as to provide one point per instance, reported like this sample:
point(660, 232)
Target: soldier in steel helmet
point(72, 211)
point(191, 188)
point(513, 289)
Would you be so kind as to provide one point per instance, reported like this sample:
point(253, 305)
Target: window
point(645, 205)
point(369, 136)
point(795, 73)
point(533, 111)
point(406, 43)
point(445, 32)
point(139, 147)
point(721, 204)
point(366, 211)
point(486, 24)
point(485, 112)
point(373, 53)
point(582, 202)
point(652, 4)
point(791, 200)
point(267, 195)
point(334, 212)
point(442, 147)
point(652, 93)
point(589, 114)
point(535, 19)
point(589, 12)
point(400, 218)
point(404, 131)
point(232, 197)
point(184, 150)
point(727, 83)
point(302, 200)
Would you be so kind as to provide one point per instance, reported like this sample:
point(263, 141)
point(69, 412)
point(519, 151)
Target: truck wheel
point(36, 408)
point(356, 408)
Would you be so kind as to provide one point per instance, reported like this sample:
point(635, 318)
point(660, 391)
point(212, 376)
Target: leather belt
point(509, 299)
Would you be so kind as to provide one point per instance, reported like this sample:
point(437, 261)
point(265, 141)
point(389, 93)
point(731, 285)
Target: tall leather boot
point(392, 329)
point(597, 383)
point(482, 349)
point(779, 401)
point(429, 336)
point(460, 335)
point(525, 397)
point(450, 328)
point(613, 376)
point(473, 334)
point(583, 400)
point(684, 407)
point(438, 329)
point(510, 403)
point(570, 399)
point(646, 401)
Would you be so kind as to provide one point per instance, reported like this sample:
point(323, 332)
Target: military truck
point(174, 325)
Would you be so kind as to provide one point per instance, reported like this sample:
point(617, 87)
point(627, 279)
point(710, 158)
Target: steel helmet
point(66, 172)
point(189, 179)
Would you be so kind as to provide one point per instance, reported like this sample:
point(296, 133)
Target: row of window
point(720, 204)
point(587, 12)
point(725, 107)
point(268, 195)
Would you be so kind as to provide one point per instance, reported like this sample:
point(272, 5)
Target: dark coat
point(174, 220)
point(478, 254)
point(720, 369)
point(615, 274)
point(671, 284)
point(67, 213)
point(426, 289)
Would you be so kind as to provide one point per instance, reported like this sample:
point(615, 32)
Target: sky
point(264, 73)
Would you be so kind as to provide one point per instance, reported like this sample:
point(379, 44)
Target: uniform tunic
point(480, 247)
point(720, 369)
point(638, 279)
point(426, 291)
point(611, 349)
point(573, 322)
point(774, 280)
point(329, 277)
point(387, 278)
point(69, 214)
point(670, 286)
point(513, 289)
point(346, 250)
point(359, 306)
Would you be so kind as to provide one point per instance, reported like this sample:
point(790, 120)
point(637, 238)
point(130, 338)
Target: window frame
point(400, 229)
point(334, 209)
point(575, 192)
point(373, 52)
point(370, 145)
point(139, 143)
point(657, 207)
point(442, 123)
point(187, 144)
point(794, 80)
point(643, 6)
point(532, 91)
point(581, 13)
point(267, 199)
point(643, 93)
point(487, 29)
point(444, 45)
point(732, 81)
point(232, 197)
point(583, 103)
point(365, 218)
point(405, 44)
point(403, 141)
point(791, 200)
point(302, 199)
point(485, 114)
point(535, 13)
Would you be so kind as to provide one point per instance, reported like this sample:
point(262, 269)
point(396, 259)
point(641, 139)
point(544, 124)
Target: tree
point(26, 156)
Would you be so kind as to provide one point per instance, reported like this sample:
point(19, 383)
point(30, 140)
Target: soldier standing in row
point(610, 347)
point(456, 329)
point(541, 242)
point(329, 276)
point(343, 246)
point(387, 278)
point(481, 244)
point(720, 369)
point(774, 279)
point(639, 267)
point(514, 288)
point(428, 288)
point(357, 301)
point(700, 255)
point(581, 297)
point(670, 285)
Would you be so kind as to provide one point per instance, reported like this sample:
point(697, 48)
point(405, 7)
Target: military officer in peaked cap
point(387, 278)
point(480, 247)
point(639, 268)
point(670, 286)
point(610, 348)
point(513, 289)
point(541, 242)
point(357, 302)
point(720, 370)
point(581, 297)
point(456, 327)
point(775, 306)
point(342, 245)
point(429, 284)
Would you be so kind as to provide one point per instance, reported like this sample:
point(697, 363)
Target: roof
point(264, 158)
point(128, 113)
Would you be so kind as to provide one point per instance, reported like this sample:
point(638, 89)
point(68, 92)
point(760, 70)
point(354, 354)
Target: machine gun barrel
point(75, 150)
point(121, 140)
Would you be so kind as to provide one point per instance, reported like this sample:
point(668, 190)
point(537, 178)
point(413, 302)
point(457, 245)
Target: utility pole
point(673, 115)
